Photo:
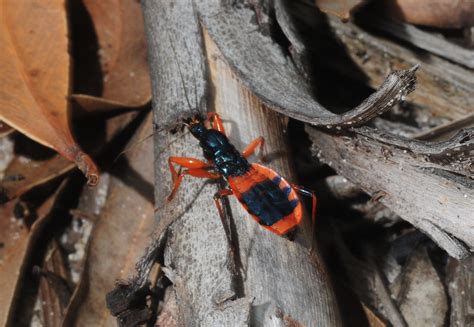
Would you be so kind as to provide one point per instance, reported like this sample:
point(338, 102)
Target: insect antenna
point(171, 128)
point(179, 71)
point(175, 128)
point(197, 109)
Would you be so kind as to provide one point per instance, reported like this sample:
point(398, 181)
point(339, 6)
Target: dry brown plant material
point(18, 243)
point(122, 54)
point(340, 8)
point(437, 13)
point(35, 77)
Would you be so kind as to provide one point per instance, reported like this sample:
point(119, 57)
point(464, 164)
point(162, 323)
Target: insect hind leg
point(309, 193)
point(218, 202)
point(252, 147)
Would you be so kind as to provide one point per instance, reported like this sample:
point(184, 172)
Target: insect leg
point(185, 162)
point(195, 172)
point(217, 200)
point(216, 121)
point(250, 149)
point(309, 193)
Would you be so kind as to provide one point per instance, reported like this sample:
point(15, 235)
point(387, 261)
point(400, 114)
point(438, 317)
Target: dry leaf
point(17, 243)
point(35, 76)
point(5, 129)
point(340, 8)
point(23, 174)
point(54, 289)
point(372, 318)
point(123, 55)
point(439, 13)
point(121, 233)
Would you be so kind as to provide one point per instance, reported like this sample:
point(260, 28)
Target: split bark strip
point(460, 277)
point(431, 41)
point(441, 84)
point(263, 67)
point(427, 184)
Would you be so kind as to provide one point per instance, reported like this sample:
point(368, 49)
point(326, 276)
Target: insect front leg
point(216, 121)
point(196, 168)
point(252, 147)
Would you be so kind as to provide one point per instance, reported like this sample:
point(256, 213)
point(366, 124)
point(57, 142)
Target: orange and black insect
point(267, 196)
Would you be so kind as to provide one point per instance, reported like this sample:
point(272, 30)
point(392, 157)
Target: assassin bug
point(263, 193)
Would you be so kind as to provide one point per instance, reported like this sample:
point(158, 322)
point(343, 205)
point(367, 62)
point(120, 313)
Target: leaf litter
point(122, 55)
point(36, 80)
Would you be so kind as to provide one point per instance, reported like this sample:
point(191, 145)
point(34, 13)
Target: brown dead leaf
point(120, 235)
point(17, 243)
point(340, 8)
point(372, 318)
point(35, 76)
point(23, 174)
point(54, 289)
point(439, 13)
point(5, 129)
point(123, 56)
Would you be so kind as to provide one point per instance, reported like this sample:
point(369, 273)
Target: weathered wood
point(445, 89)
point(427, 184)
point(277, 279)
point(460, 277)
point(367, 280)
point(196, 250)
point(281, 276)
point(263, 66)
point(430, 41)
point(418, 282)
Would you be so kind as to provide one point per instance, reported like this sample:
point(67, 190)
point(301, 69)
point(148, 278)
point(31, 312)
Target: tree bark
point(277, 281)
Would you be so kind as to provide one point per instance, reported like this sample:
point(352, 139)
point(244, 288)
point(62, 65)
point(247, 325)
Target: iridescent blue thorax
point(217, 148)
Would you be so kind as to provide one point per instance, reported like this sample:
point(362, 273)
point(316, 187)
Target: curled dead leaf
point(22, 173)
point(35, 77)
point(340, 8)
point(122, 53)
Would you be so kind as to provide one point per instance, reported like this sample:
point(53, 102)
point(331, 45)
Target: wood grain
point(427, 184)
point(277, 280)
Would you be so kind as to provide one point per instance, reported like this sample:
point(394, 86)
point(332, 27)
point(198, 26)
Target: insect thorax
point(227, 160)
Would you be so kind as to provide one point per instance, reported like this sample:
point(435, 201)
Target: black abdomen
point(268, 202)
